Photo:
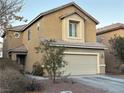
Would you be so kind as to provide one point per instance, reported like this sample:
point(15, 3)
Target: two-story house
point(104, 34)
point(70, 26)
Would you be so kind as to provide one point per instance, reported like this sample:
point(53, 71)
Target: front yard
point(46, 86)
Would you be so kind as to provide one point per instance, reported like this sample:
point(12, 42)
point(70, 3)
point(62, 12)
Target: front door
point(21, 60)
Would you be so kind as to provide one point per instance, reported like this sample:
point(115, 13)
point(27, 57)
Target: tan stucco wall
point(11, 42)
point(90, 31)
point(13, 56)
point(51, 27)
point(37, 57)
point(31, 57)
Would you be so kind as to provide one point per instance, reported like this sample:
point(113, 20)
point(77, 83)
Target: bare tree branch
point(8, 11)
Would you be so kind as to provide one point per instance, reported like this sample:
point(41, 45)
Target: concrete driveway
point(109, 84)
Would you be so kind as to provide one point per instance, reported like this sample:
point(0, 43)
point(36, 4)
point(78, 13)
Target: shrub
point(117, 48)
point(11, 80)
point(37, 70)
point(52, 58)
point(33, 85)
point(11, 65)
point(122, 68)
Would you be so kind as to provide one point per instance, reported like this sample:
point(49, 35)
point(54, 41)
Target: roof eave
point(84, 47)
point(109, 30)
point(10, 51)
point(58, 8)
point(91, 17)
point(62, 17)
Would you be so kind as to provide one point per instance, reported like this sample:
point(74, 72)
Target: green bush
point(37, 70)
point(52, 58)
point(117, 47)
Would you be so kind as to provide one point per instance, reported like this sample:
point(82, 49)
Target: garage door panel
point(81, 64)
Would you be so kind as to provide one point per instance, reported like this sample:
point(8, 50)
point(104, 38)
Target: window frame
point(38, 26)
point(29, 34)
point(17, 33)
point(73, 34)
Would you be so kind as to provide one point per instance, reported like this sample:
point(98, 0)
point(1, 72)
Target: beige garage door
point(81, 64)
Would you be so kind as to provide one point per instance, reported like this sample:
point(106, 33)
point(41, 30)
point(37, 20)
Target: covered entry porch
point(18, 54)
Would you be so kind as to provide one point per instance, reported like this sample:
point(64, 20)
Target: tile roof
point(87, 45)
point(19, 49)
point(109, 28)
point(17, 28)
point(23, 27)
point(58, 8)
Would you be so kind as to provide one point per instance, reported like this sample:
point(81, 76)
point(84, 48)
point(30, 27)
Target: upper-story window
point(17, 34)
point(29, 35)
point(73, 28)
point(38, 26)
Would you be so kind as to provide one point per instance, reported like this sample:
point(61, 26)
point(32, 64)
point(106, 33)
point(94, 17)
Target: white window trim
point(74, 29)
point(72, 37)
point(80, 32)
point(16, 33)
point(77, 37)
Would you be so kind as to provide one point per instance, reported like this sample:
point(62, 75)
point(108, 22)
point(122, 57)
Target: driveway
point(109, 84)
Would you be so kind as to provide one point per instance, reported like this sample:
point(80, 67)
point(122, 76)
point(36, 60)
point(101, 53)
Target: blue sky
point(105, 11)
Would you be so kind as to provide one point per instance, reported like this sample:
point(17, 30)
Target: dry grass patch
point(48, 86)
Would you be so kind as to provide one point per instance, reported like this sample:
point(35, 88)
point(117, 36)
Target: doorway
point(21, 61)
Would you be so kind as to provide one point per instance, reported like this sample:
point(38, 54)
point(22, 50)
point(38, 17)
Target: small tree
point(117, 47)
point(52, 57)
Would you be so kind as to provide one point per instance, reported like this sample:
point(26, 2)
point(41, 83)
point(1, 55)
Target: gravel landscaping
point(48, 87)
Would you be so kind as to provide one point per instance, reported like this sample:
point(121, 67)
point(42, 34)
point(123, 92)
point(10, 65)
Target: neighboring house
point(70, 26)
point(103, 36)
